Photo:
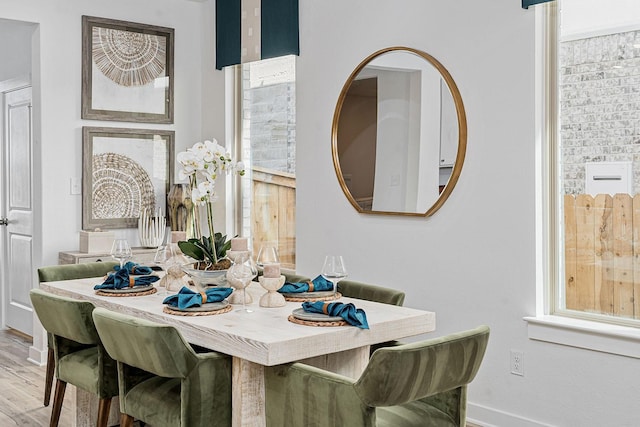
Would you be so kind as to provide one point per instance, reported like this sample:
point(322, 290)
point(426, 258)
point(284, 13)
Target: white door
point(16, 210)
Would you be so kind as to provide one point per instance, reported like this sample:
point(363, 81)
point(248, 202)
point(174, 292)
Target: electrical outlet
point(517, 363)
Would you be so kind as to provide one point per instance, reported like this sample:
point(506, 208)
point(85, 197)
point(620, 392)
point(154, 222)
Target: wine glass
point(121, 251)
point(268, 254)
point(334, 270)
point(243, 271)
point(164, 253)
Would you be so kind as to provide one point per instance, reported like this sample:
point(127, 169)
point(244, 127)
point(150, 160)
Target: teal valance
point(527, 3)
point(250, 30)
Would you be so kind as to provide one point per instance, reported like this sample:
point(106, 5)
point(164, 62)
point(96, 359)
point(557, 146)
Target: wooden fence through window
point(273, 214)
point(602, 254)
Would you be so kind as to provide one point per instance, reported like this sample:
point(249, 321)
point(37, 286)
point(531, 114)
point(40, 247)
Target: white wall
point(473, 261)
point(199, 100)
point(15, 49)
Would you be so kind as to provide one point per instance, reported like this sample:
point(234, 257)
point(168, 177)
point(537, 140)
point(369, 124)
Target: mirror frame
point(462, 131)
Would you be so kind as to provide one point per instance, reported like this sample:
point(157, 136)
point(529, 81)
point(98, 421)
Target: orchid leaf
point(201, 249)
point(190, 249)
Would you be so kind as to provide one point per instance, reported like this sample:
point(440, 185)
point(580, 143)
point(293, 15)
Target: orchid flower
point(201, 164)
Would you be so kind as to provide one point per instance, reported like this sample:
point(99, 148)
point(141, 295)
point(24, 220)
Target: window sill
point(603, 337)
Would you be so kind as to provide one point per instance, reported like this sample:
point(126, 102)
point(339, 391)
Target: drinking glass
point(164, 253)
point(334, 270)
point(243, 271)
point(121, 251)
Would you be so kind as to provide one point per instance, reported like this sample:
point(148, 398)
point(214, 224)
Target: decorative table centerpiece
point(272, 280)
point(202, 164)
point(238, 252)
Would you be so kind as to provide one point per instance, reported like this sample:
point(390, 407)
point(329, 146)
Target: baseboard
point(483, 416)
point(39, 357)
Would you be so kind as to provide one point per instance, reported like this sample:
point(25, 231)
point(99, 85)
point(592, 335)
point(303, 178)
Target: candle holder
point(272, 298)
point(235, 256)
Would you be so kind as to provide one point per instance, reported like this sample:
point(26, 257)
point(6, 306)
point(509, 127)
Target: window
point(595, 160)
point(267, 112)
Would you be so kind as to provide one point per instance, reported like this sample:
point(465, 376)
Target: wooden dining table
point(264, 337)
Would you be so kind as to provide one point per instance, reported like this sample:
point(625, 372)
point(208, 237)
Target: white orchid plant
point(202, 164)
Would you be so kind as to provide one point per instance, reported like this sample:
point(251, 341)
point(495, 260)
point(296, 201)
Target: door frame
point(38, 349)
point(6, 86)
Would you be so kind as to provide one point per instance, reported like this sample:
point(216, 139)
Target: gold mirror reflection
point(399, 134)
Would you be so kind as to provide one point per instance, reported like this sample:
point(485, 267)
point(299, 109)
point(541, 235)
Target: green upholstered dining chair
point(418, 384)
point(67, 272)
point(360, 290)
point(292, 277)
point(80, 358)
point(162, 380)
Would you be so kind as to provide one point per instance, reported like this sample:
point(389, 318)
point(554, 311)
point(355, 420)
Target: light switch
point(75, 187)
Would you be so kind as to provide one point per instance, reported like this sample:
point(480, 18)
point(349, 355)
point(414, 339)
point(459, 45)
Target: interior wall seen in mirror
point(448, 134)
point(408, 149)
point(357, 133)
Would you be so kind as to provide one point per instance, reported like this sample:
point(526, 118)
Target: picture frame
point(124, 171)
point(127, 71)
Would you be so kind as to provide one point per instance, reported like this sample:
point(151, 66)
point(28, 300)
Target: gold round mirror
point(399, 134)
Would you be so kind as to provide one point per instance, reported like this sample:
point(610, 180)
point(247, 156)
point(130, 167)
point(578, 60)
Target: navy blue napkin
point(121, 279)
point(317, 284)
point(135, 268)
point(187, 298)
point(352, 315)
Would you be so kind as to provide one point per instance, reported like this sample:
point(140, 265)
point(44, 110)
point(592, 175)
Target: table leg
point(350, 363)
point(247, 398)
point(87, 409)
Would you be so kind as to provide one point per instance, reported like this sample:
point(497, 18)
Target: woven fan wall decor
point(121, 187)
point(127, 71)
point(129, 58)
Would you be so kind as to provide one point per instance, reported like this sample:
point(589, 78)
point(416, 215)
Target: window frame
point(551, 322)
point(555, 197)
point(235, 120)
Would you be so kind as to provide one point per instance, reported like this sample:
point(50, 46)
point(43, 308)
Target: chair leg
point(103, 412)
point(126, 420)
point(48, 378)
point(58, 397)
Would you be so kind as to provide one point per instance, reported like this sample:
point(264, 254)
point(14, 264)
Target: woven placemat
point(336, 296)
point(169, 310)
point(312, 323)
point(127, 294)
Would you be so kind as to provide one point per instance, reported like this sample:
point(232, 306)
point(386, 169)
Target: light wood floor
point(22, 385)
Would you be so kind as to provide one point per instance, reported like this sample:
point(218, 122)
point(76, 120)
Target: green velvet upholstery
point(80, 359)
point(55, 273)
point(65, 317)
point(418, 384)
point(163, 381)
point(293, 277)
point(352, 289)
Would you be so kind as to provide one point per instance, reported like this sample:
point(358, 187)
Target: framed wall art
point(127, 71)
point(124, 172)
